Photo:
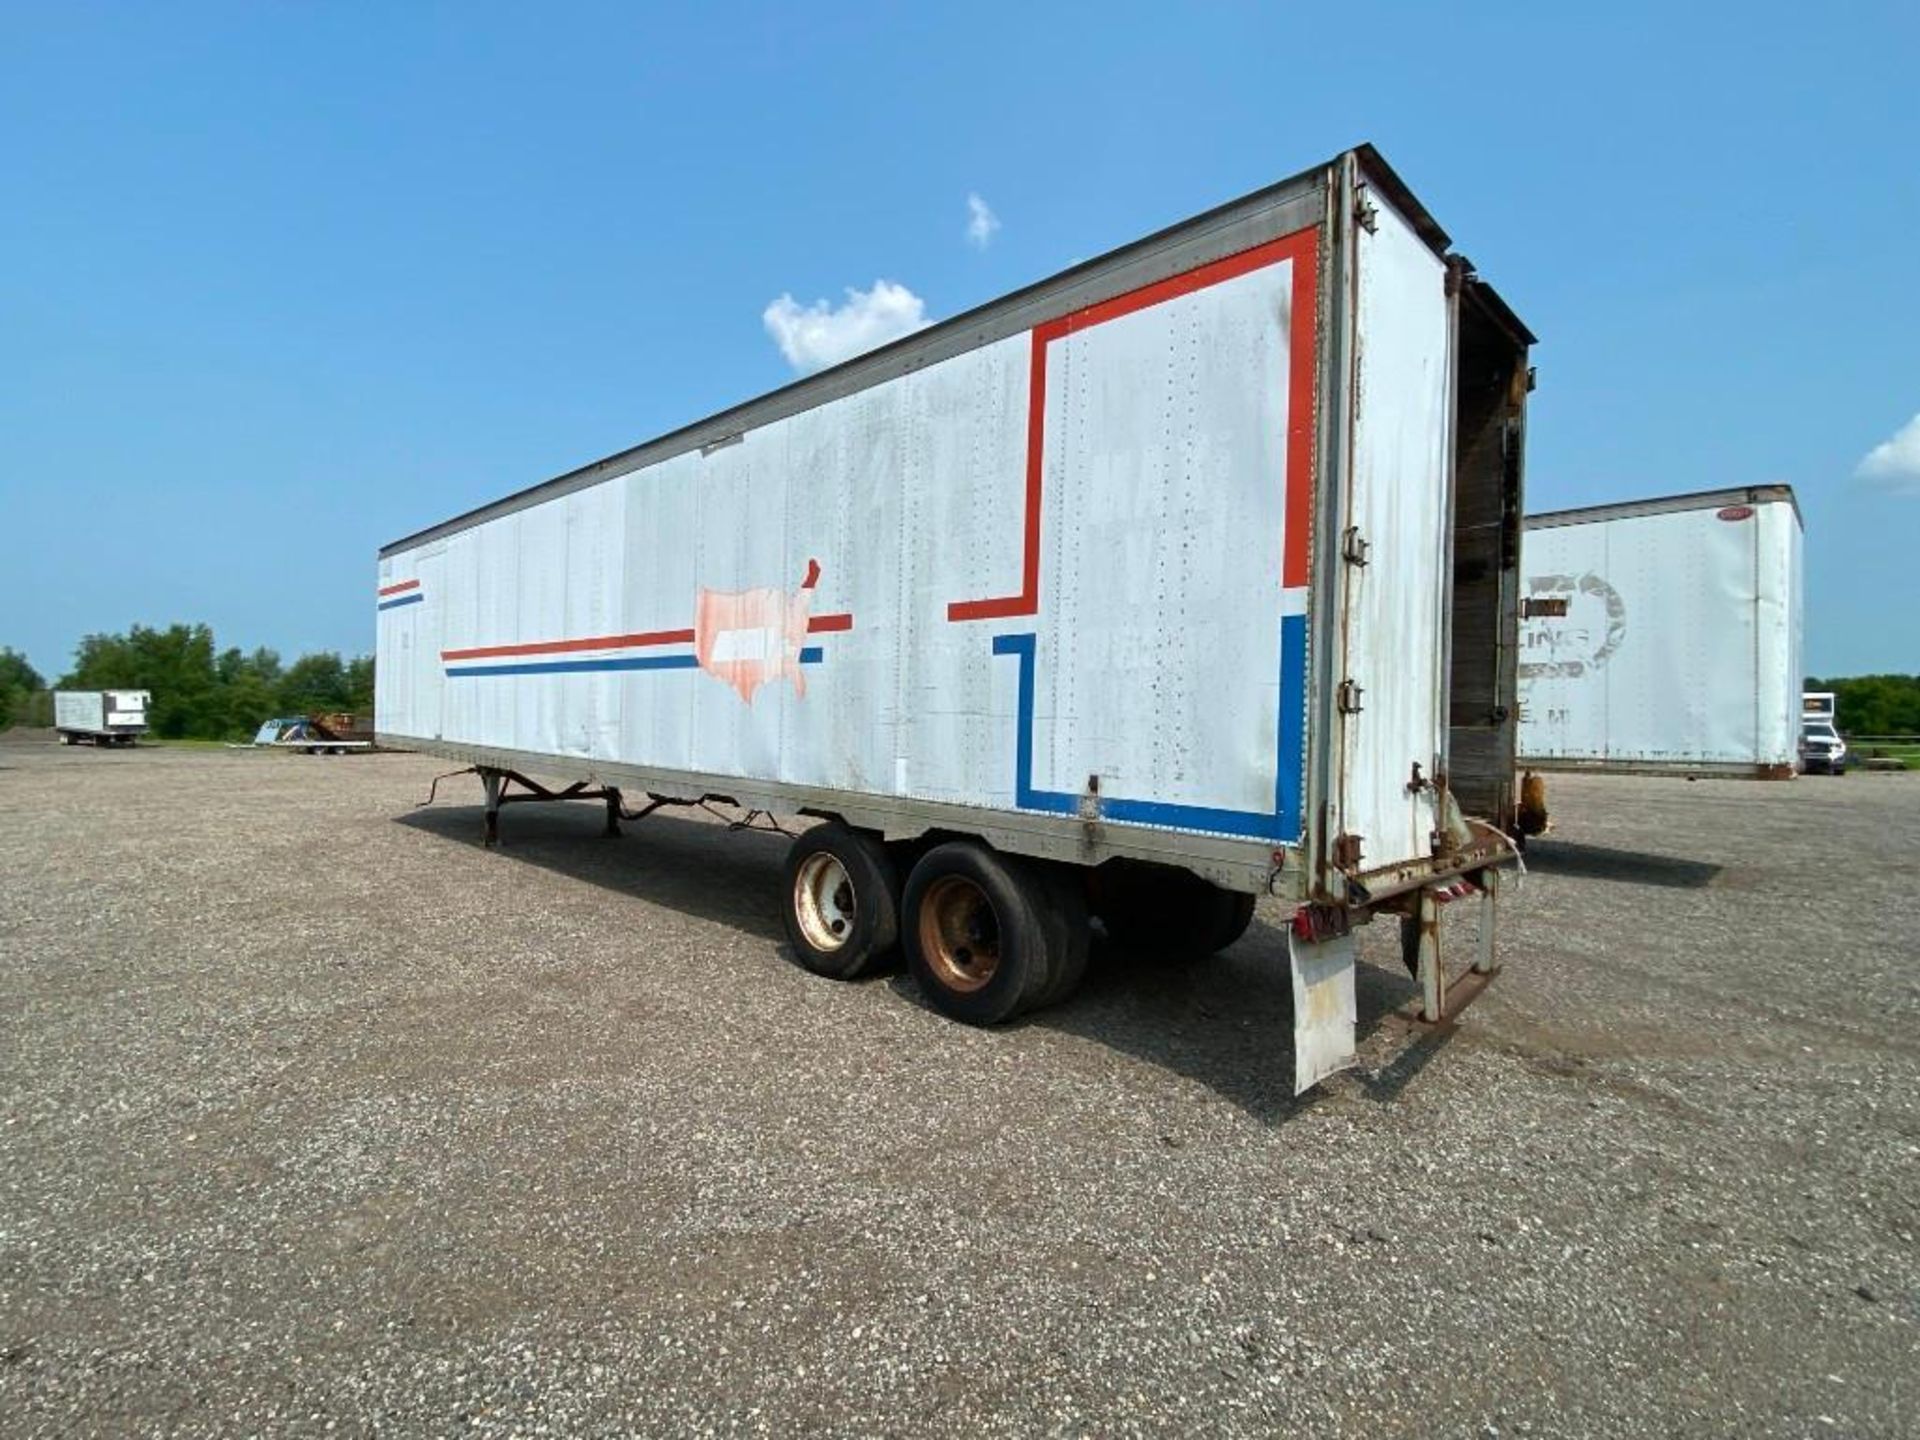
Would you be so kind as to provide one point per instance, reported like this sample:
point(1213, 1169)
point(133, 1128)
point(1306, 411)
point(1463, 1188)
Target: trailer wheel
point(1168, 913)
point(1069, 933)
point(1233, 914)
point(843, 911)
point(976, 939)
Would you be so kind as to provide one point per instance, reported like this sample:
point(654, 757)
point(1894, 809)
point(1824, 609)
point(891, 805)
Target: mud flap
point(1323, 1009)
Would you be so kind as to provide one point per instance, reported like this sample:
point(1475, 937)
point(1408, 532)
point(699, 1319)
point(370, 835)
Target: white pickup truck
point(1822, 751)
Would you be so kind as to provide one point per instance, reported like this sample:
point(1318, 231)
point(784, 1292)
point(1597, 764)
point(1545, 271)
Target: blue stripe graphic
point(1282, 824)
point(414, 599)
point(1289, 805)
point(811, 655)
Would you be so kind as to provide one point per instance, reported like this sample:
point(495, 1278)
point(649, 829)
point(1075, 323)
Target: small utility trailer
point(100, 717)
point(306, 735)
point(1186, 576)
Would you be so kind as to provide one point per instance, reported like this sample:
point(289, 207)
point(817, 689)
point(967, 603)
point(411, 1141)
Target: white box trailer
point(1663, 636)
point(101, 717)
point(1186, 575)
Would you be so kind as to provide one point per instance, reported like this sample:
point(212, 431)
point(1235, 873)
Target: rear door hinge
point(1348, 697)
point(1353, 546)
point(1346, 851)
point(1364, 210)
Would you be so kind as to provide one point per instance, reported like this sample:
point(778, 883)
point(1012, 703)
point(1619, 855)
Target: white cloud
point(981, 222)
point(1895, 463)
point(812, 337)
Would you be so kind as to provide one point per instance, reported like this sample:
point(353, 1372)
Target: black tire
point(1234, 914)
point(842, 902)
point(1169, 914)
point(1069, 933)
point(975, 932)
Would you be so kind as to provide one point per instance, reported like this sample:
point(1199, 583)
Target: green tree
point(197, 692)
point(360, 687)
point(1874, 704)
point(249, 687)
point(175, 665)
point(16, 673)
point(313, 683)
point(19, 682)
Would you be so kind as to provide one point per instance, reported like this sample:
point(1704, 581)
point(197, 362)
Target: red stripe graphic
point(1304, 317)
point(816, 625)
point(560, 647)
point(1302, 248)
point(1028, 600)
point(387, 590)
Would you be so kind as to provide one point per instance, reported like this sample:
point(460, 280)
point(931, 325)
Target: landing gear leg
point(1489, 911)
point(493, 782)
point(1420, 948)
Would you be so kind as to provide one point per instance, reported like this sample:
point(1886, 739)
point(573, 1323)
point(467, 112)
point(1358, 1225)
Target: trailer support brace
point(498, 786)
point(1483, 963)
point(1442, 999)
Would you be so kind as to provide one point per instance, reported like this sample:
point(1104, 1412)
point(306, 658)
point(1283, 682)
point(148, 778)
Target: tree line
point(1874, 704)
point(199, 692)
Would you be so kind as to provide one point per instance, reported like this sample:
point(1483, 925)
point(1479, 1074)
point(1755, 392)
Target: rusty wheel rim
point(959, 933)
point(824, 901)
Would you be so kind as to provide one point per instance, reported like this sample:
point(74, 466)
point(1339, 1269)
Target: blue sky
point(280, 283)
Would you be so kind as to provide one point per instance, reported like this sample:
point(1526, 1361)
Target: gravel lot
point(315, 1116)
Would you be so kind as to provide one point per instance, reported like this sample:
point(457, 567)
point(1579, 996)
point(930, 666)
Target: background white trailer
point(1150, 564)
point(1664, 636)
point(105, 717)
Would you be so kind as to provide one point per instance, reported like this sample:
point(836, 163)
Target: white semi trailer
point(1663, 636)
point(1184, 576)
point(100, 717)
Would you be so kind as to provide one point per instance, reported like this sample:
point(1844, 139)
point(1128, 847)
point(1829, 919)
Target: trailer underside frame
point(498, 785)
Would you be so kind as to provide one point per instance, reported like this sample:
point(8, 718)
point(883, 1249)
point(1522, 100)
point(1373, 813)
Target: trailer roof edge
point(1668, 505)
point(929, 345)
point(1380, 173)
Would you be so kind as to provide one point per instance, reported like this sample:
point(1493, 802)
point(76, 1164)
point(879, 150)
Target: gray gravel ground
point(314, 1116)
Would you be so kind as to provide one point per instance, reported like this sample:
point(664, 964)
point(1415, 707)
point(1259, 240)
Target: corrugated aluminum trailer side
point(103, 717)
point(1663, 636)
point(1165, 582)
